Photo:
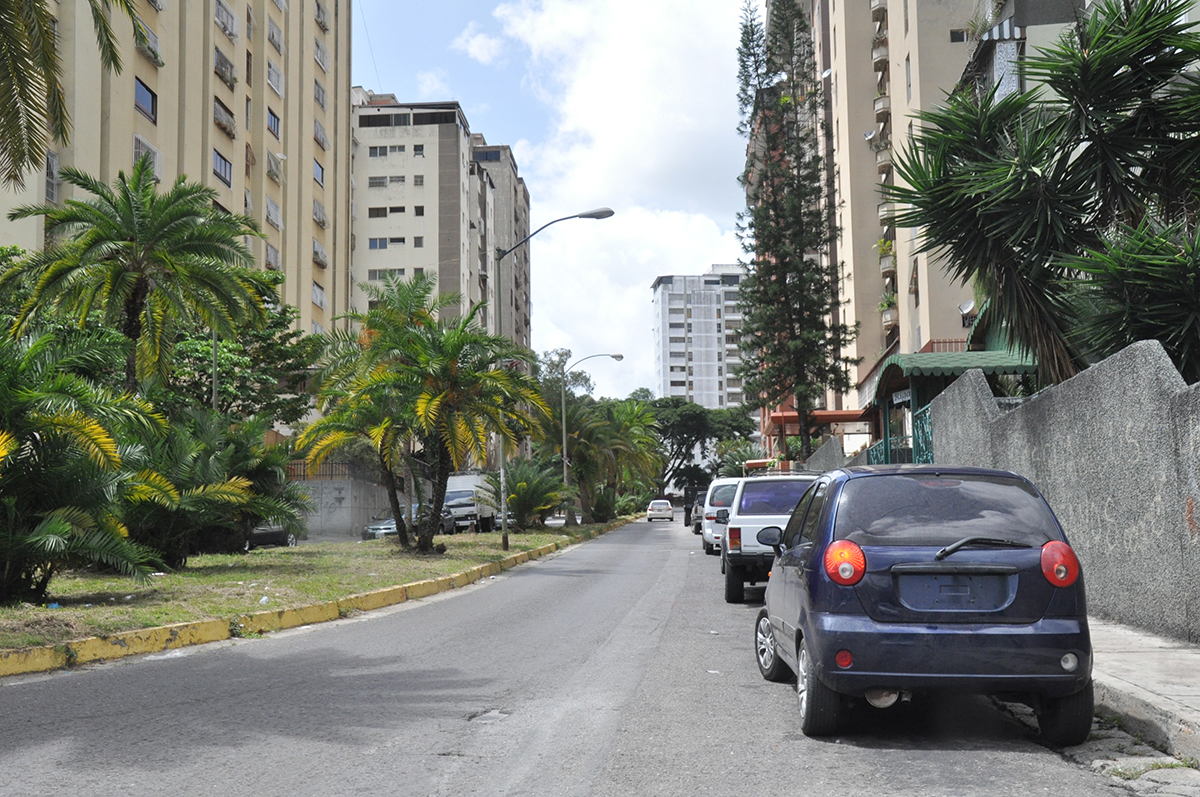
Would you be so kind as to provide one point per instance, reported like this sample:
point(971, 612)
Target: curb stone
point(154, 640)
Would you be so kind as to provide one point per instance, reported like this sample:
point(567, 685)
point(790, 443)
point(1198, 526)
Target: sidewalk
point(1151, 683)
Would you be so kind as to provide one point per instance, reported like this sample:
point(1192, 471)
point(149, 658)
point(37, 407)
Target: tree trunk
point(131, 328)
point(389, 481)
point(805, 434)
point(585, 504)
point(430, 525)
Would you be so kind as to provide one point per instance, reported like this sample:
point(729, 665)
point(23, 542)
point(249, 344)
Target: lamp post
point(598, 213)
point(563, 417)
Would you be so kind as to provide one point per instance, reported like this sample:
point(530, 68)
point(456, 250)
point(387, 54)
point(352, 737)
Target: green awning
point(955, 363)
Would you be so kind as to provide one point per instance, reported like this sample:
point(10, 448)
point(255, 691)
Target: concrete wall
point(344, 506)
point(1116, 451)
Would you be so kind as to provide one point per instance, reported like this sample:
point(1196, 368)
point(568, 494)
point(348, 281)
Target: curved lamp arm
point(598, 213)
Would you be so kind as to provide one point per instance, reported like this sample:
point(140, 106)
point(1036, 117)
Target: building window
point(318, 172)
point(905, 17)
point(275, 77)
point(273, 122)
point(226, 21)
point(418, 210)
point(377, 182)
point(274, 261)
point(418, 242)
point(145, 100)
point(418, 179)
point(396, 209)
point(318, 295)
point(249, 64)
point(377, 243)
point(222, 168)
point(396, 179)
point(275, 35)
point(320, 256)
point(396, 148)
point(319, 93)
point(317, 329)
point(274, 214)
point(377, 213)
point(419, 150)
point(397, 242)
point(378, 274)
point(223, 118)
point(321, 54)
point(908, 77)
point(418, 272)
point(224, 68)
point(958, 35)
point(52, 179)
point(377, 152)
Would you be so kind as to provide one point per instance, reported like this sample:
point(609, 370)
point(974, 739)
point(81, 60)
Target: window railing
point(223, 118)
point(274, 167)
point(274, 214)
point(321, 54)
point(274, 261)
point(319, 213)
point(321, 14)
point(275, 78)
point(147, 44)
point(275, 35)
point(320, 257)
point(226, 20)
point(224, 68)
point(143, 147)
point(319, 134)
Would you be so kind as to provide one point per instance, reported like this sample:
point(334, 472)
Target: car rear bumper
point(980, 658)
point(660, 516)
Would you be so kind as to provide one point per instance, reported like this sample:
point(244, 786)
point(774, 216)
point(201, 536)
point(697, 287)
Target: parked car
point(697, 517)
point(660, 510)
point(892, 581)
point(270, 534)
point(720, 496)
point(384, 525)
point(760, 501)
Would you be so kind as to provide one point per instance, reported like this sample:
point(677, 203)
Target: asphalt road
point(613, 668)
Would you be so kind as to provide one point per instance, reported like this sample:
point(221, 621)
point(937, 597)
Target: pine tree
point(792, 339)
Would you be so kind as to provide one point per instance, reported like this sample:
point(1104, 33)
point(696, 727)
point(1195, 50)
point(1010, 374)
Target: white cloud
point(483, 48)
point(645, 117)
point(432, 85)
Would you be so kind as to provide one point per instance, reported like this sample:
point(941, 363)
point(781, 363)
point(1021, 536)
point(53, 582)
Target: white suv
point(720, 496)
point(760, 501)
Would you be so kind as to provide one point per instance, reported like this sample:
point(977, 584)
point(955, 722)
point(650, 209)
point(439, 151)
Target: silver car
point(720, 496)
point(660, 510)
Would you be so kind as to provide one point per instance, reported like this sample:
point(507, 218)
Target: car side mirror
point(722, 516)
point(772, 536)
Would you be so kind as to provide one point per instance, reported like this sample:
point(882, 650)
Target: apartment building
point(431, 198)
point(248, 97)
point(696, 330)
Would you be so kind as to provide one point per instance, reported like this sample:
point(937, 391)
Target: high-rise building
point(249, 98)
point(431, 198)
point(697, 326)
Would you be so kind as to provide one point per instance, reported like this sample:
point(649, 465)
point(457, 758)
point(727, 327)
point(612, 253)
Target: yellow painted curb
point(153, 640)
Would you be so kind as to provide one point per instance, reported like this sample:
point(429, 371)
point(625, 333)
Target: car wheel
point(291, 541)
point(708, 550)
point(820, 706)
point(735, 587)
point(769, 663)
point(247, 546)
point(1067, 721)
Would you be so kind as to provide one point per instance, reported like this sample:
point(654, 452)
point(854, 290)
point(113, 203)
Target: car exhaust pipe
point(882, 698)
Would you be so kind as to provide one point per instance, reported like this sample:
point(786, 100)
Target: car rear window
point(660, 504)
point(722, 495)
point(774, 497)
point(921, 509)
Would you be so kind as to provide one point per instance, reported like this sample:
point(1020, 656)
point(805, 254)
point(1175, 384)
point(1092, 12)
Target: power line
point(370, 49)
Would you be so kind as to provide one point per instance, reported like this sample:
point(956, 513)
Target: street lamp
point(563, 419)
point(598, 213)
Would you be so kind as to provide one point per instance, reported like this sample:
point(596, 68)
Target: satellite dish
point(967, 306)
point(870, 134)
point(825, 74)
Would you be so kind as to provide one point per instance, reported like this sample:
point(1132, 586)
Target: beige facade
point(887, 60)
point(431, 198)
point(249, 98)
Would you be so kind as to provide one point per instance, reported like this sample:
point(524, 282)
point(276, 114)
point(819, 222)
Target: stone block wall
point(1116, 452)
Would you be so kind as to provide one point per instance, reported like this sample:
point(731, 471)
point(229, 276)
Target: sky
point(628, 104)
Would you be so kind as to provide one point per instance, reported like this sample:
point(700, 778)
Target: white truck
point(465, 498)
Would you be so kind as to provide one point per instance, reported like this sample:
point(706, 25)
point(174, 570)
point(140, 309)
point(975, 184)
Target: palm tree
point(468, 385)
point(31, 91)
point(61, 465)
point(148, 263)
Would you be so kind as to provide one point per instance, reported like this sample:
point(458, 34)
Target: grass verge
point(228, 585)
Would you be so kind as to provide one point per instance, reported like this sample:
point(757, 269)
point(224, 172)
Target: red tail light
point(845, 563)
point(710, 516)
point(735, 539)
point(1060, 566)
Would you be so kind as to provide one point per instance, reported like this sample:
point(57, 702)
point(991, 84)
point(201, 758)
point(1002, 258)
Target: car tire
point(291, 541)
point(765, 650)
point(1067, 721)
point(708, 549)
point(821, 710)
point(735, 587)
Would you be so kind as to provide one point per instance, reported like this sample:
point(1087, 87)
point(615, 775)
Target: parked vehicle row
point(893, 583)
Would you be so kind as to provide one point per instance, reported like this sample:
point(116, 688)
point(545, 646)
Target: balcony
point(887, 266)
point(224, 68)
point(226, 20)
point(886, 211)
point(320, 258)
point(321, 14)
point(223, 118)
point(319, 134)
point(890, 318)
point(878, 10)
point(879, 57)
point(883, 159)
point(148, 46)
point(274, 167)
point(883, 108)
point(319, 215)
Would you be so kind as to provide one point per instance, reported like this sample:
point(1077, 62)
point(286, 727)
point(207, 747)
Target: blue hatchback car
point(895, 580)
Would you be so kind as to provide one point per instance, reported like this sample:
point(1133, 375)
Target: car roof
point(932, 470)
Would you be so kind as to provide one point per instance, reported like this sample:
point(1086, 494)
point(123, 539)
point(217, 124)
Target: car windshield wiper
point(983, 541)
